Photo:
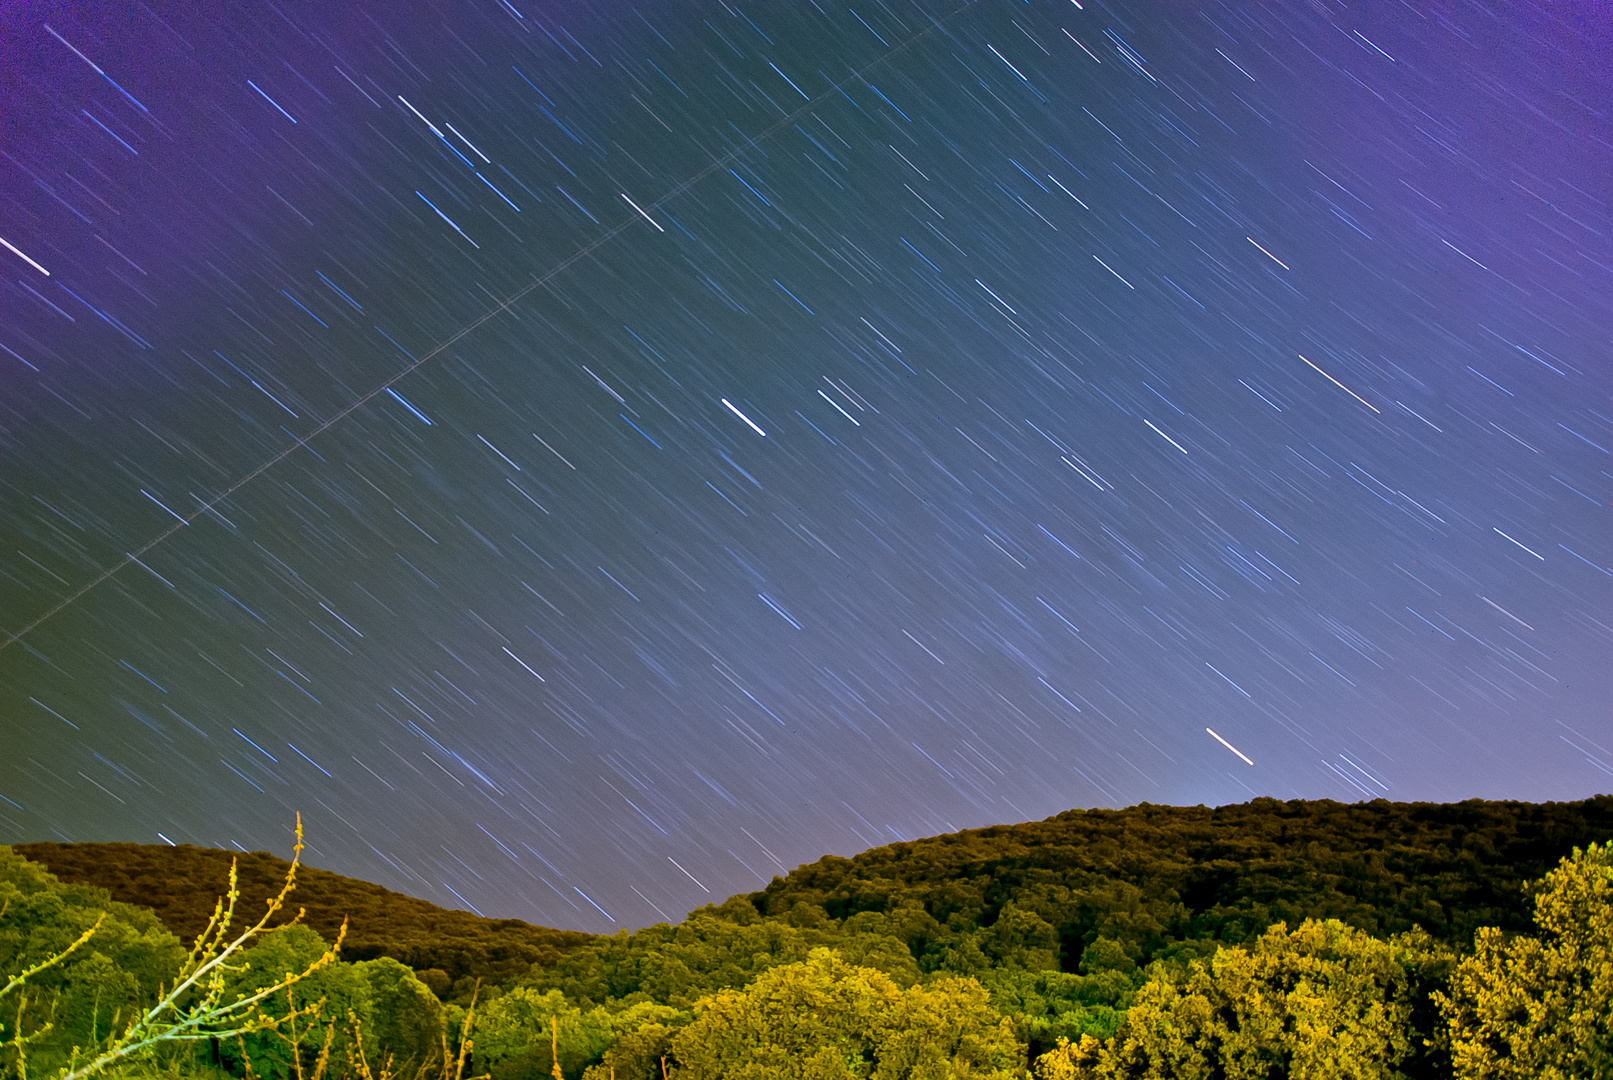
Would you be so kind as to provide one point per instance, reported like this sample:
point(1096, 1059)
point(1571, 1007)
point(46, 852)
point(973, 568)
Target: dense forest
point(1149, 876)
point(1269, 939)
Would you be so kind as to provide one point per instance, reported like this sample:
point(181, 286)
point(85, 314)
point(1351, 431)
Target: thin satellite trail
point(498, 309)
point(1340, 385)
point(1229, 746)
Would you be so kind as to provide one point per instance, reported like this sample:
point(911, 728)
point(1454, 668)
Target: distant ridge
point(1150, 874)
point(181, 884)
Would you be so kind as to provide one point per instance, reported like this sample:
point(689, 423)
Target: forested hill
point(1149, 875)
point(1147, 879)
point(181, 884)
point(1060, 942)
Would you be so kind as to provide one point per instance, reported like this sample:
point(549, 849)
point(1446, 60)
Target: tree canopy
point(825, 1019)
point(1541, 1007)
point(1322, 1002)
point(1471, 942)
point(1149, 877)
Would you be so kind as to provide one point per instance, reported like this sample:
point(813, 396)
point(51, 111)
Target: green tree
point(906, 921)
point(406, 1017)
point(636, 1055)
point(947, 1030)
point(1542, 1007)
point(722, 947)
point(825, 1019)
point(714, 947)
point(525, 1032)
point(1020, 939)
point(99, 985)
point(1048, 1006)
point(1325, 1002)
point(643, 1036)
point(305, 1013)
point(1070, 1061)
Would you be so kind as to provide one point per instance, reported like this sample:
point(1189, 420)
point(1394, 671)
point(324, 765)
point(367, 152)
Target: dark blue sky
point(589, 459)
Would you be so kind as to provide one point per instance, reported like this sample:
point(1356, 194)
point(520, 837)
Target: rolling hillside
point(182, 883)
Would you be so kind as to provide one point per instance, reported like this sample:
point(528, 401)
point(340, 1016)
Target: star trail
point(589, 458)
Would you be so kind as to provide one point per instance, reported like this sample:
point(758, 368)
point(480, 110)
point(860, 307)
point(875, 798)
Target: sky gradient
point(589, 459)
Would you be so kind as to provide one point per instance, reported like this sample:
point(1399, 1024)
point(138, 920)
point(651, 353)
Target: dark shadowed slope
point(1148, 875)
point(181, 884)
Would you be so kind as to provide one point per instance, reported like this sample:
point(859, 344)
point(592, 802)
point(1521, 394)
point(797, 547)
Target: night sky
point(589, 459)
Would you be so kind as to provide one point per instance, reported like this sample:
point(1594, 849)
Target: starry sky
point(591, 458)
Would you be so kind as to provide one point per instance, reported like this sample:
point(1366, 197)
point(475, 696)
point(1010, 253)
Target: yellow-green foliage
point(636, 1055)
point(189, 1007)
point(715, 948)
point(1052, 1005)
point(1325, 1002)
point(512, 1034)
point(525, 1032)
point(1070, 1061)
point(825, 1019)
point(1541, 1008)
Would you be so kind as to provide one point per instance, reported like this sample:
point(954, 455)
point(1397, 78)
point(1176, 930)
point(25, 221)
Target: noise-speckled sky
point(589, 458)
